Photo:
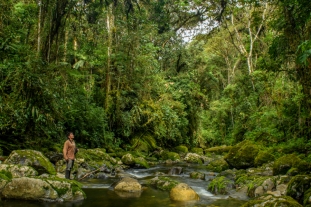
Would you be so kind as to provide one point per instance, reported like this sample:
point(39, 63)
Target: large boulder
point(242, 155)
point(128, 188)
point(43, 189)
point(31, 158)
point(193, 158)
point(182, 192)
point(217, 165)
point(18, 171)
point(128, 184)
point(128, 159)
point(283, 201)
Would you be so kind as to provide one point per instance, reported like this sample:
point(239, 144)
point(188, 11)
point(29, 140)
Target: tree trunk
point(39, 28)
point(110, 25)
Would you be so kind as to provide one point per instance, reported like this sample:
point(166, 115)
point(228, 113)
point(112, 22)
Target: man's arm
point(65, 150)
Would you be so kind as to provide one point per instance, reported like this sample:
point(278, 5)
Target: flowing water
point(99, 193)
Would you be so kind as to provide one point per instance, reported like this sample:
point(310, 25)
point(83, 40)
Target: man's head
point(70, 135)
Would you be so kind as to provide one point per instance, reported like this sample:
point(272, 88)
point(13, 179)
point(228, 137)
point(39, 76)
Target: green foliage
point(120, 74)
point(297, 187)
point(143, 143)
point(5, 175)
point(219, 185)
point(251, 181)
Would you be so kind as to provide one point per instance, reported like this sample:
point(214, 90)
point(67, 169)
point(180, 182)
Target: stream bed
point(99, 192)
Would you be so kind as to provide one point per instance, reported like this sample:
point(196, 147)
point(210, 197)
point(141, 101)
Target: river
point(100, 194)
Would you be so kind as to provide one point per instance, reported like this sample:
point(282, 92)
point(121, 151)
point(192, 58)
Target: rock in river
point(182, 192)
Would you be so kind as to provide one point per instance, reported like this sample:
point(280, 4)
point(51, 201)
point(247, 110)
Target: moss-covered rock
point(263, 157)
point(303, 167)
point(181, 149)
point(282, 165)
point(221, 185)
point(271, 201)
point(128, 159)
point(163, 183)
point(197, 150)
point(242, 155)
point(97, 154)
point(193, 158)
point(297, 187)
point(217, 165)
point(31, 158)
point(197, 175)
point(17, 171)
point(165, 155)
point(95, 158)
point(218, 150)
point(43, 189)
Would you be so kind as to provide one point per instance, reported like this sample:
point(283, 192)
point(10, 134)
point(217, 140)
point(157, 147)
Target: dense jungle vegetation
point(125, 74)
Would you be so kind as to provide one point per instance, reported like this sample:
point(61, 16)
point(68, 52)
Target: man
point(69, 152)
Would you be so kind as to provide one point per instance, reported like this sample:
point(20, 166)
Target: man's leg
point(68, 168)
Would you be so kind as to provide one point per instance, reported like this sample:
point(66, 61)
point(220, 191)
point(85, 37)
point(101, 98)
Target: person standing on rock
point(69, 152)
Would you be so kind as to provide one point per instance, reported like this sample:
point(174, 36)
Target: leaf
point(78, 64)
